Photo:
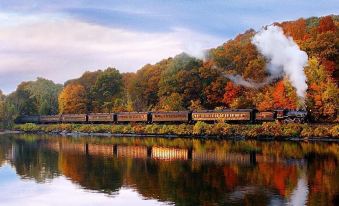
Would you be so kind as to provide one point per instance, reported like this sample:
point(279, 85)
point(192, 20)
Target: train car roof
point(225, 110)
point(171, 112)
point(131, 112)
point(74, 114)
point(99, 113)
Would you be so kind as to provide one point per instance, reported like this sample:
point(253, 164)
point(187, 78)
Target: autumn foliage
point(72, 99)
point(184, 82)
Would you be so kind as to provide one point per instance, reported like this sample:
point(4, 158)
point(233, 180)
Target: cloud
point(61, 38)
point(63, 48)
point(61, 191)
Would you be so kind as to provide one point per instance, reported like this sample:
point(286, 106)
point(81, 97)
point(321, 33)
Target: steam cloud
point(284, 56)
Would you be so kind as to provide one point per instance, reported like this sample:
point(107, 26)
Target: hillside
point(184, 82)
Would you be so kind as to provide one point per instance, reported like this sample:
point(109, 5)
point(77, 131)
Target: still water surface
point(55, 170)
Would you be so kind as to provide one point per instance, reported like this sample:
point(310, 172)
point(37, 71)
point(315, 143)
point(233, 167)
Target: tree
point(87, 80)
point(144, 87)
point(23, 101)
point(182, 77)
point(283, 96)
point(173, 102)
point(295, 29)
point(73, 100)
point(195, 105)
point(264, 100)
point(35, 97)
point(108, 86)
point(45, 92)
point(2, 109)
point(231, 93)
point(213, 85)
point(323, 93)
point(326, 24)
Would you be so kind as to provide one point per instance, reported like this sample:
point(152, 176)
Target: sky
point(61, 191)
point(61, 39)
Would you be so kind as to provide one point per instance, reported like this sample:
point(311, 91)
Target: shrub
point(127, 129)
point(271, 129)
point(28, 127)
point(307, 132)
point(250, 130)
point(335, 131)
point(200, 128)
point(165, 129)
point(139, 129)
point(291, 130)
point(86, 128)
point(321, 131)
point(116, 129)
point(184, 129)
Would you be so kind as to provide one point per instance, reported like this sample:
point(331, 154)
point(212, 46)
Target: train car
point(240, 115)
point(123, 117)
point(173, 116)
point(28, 119)
point(265, 116)
point(74, 118)
point(101, 117)
point(48, 119)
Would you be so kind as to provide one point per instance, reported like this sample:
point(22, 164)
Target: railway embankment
point(269, 130)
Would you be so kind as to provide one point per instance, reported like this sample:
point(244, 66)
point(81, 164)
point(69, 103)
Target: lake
point(56, 170)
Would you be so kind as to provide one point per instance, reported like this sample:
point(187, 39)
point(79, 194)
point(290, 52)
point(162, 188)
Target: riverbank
point(200, 129)
point(9, 132)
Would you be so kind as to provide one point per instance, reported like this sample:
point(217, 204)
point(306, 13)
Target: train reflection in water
point(163, 153)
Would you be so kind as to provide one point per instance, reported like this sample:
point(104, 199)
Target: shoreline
point(173, 136)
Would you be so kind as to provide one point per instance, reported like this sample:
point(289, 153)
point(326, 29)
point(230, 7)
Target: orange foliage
point(280, 97)
point(326, 24)
point(295, 29)
point(231, 92)
point(266, 103)
point(73, 99)
point(329, 65)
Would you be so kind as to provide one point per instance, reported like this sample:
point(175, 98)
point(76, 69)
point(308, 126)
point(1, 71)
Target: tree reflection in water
point(183, 171)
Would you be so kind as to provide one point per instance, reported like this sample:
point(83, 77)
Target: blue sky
point(60, 39)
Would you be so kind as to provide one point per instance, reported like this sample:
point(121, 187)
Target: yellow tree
point(323, 93)
point(72, 99)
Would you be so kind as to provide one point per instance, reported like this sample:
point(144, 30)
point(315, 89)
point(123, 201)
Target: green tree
point(182, 77)
point(23, 101)
point(2, 109)
point(108, 86)
point(46, 93)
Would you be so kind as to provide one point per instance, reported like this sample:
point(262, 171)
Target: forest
point(184, 82)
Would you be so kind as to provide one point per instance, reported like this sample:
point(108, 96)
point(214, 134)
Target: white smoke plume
point(238, 79)
point(284, 58)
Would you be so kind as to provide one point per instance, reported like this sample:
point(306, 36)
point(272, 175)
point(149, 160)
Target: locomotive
point(209, 116)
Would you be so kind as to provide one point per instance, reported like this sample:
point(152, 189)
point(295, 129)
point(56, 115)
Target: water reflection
point(153, 171)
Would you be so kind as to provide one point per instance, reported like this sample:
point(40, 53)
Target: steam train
point(208, 116)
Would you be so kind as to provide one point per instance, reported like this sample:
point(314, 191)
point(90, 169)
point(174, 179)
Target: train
point(250, 116)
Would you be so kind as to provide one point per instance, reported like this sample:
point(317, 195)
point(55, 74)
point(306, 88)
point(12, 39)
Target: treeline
point(184, 82)
point(30, 98)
